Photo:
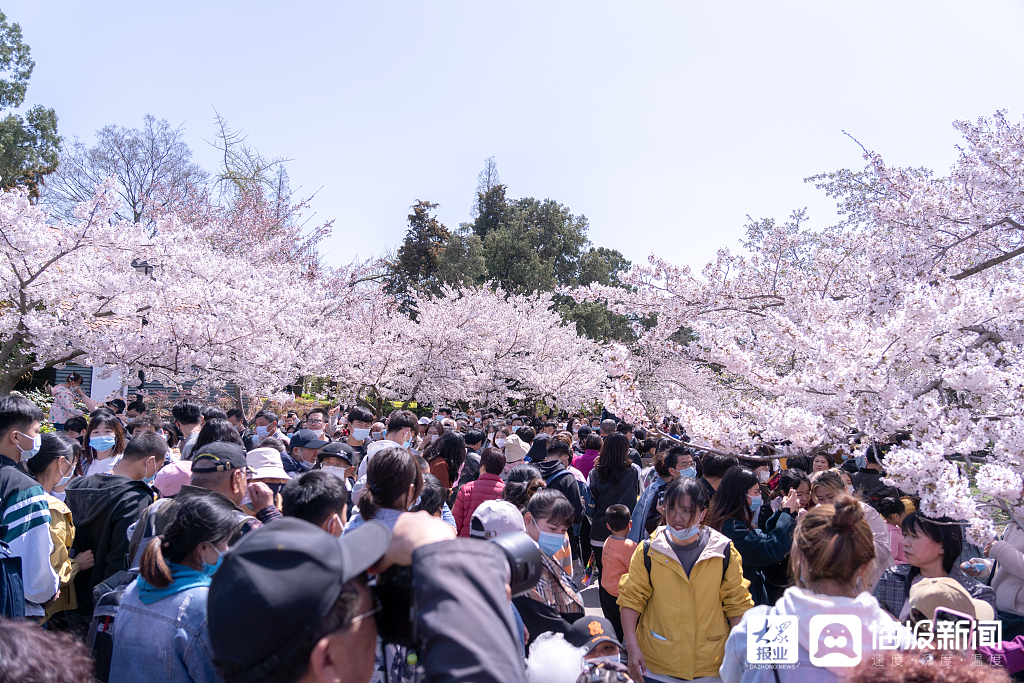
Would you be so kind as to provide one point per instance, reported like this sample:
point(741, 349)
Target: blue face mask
point(688, 472)
point(755, 506)
point(549, 543)
point(102, 443)
point(861, 460)
point(211, 569)
point(149, 480)
point(683, 535)
point(261, 432)
point(37, 442)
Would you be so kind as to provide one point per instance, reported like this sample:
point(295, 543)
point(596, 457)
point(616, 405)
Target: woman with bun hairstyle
point(832, 559)
point(161, 630)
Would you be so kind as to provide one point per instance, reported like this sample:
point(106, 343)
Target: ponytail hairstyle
point(831, 544)
point(55, 445)
point(200, 519)
point(388, 477)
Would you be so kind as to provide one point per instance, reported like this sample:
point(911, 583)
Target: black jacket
point(464, 614)
point(103, 506)
point(566, 483)
point(868, 483)
point(623, 488)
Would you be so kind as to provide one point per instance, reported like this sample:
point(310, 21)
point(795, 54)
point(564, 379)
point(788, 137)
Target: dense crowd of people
point(208, 545)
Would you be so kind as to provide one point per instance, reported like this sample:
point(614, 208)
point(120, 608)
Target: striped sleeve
point(25, 510)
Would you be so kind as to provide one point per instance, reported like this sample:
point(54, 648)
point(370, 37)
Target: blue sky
point(665, 123)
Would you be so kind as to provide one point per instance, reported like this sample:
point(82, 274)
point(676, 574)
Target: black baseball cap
point(338, 449)
point(306, 438)
point(218, 456)
point(589, 632)
point(277, 584)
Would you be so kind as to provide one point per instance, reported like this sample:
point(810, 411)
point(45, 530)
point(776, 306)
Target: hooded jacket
point(684, 619)
point(103, 507)
point(566, 483)
point(25, 527)
point(804, 604)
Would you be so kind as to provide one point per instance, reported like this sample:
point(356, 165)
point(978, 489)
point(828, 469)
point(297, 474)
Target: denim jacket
point(166, 641)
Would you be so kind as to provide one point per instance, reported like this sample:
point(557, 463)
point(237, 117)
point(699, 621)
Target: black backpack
point(12, 587)
point(101, 631)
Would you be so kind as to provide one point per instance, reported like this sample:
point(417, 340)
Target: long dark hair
point(199, 519)
point(730, 500)
point(452, 447)
point(614, 457)
point(55, 445)
point(388, 477)
point(217, 429)
point(98, 419)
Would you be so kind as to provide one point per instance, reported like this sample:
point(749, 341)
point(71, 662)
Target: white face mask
point(610, 659)
point(500, 443)
point(763, 476)
point(849, 489)
point(339, 472)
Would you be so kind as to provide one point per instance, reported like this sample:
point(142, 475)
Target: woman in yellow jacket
point(52, 467)
point(684, 592)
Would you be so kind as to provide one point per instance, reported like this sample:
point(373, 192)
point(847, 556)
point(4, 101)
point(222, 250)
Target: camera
point(396, 621)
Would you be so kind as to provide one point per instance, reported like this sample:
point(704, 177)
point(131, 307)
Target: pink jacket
point(471, 495)
point(584, 463)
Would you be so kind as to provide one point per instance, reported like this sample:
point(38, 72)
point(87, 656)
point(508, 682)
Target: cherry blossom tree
point(73, 290)
point(904, 319)
point(479, 345)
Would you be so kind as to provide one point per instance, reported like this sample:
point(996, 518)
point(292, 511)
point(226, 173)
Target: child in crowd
point(618, 551)
point(893, 511)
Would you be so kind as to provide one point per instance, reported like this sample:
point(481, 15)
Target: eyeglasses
point(315, 421)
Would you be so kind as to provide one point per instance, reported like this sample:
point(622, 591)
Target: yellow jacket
point(684, 621)
point(62, 533)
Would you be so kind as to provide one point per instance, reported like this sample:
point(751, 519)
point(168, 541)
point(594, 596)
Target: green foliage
point(462, 260)
point(29, 146)
point(416, 265)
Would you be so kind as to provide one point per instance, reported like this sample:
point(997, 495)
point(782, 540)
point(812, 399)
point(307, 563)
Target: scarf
point(182, 578)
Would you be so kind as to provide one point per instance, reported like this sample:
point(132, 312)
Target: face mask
point(101, 443)
point(515, 429)
point(149, 480)
point(339, 472)
point(261, 432)
point(849, 489)
point(610, 659)
point(318, 432)
point(406, 443)
point(688, 472)
point(360, 434)
point(549, 543)
point(861, 460)
point(763, 476)
point(681, 535)
point(64, 480)
point(434, 437)
point(211, 569)
point(500, 443)
point(375, 436)
point(755, 506)
point(247, 500)
point(37, 441)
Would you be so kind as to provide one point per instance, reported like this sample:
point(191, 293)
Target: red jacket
point(471, 495)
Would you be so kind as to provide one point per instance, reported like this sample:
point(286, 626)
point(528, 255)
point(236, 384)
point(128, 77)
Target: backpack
point(589, 505)
point(647, 559)
point(12, 587)
point(101, 631)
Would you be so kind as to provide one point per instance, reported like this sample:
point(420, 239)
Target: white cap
point(266, 463)
point(424, 420)
point(494, 518)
